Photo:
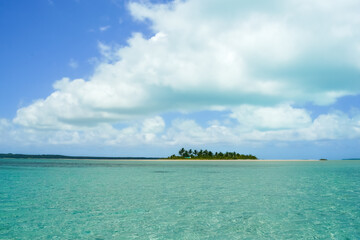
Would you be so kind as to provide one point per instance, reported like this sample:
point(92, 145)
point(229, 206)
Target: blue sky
point(145, 78)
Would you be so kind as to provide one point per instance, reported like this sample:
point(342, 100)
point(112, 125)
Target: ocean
point(80, 199)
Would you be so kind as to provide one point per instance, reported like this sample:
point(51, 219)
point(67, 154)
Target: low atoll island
point(209, 155)
point(183, 155)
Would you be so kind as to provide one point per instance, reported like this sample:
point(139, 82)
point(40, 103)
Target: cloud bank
point(254, 59)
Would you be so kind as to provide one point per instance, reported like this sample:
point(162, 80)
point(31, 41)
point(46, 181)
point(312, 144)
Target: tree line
point(50, 156)
point(205, 154)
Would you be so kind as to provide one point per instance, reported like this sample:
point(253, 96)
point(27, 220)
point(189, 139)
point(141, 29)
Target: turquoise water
point(53, 199)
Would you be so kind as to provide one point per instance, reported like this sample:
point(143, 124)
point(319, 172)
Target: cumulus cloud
point(332, 126)
point(251, 58)
point(155, 132)
point(279, 117)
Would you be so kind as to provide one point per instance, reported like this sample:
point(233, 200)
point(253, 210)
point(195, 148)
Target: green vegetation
point(49, 156)
point(205, 154)
point(11, 155)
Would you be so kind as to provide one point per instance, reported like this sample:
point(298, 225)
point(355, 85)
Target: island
point(209, 155)
point(52, 156)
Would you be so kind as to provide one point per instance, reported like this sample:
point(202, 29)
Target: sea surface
point(79, 199)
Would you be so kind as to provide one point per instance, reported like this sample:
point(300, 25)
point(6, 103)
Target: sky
point(276, 79)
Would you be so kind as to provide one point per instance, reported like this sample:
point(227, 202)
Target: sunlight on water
point(53, 199)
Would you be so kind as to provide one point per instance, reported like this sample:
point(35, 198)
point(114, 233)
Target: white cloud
point(73, 64)
point(279, 117)
point(4, 123)
point(153, 125)
point(187, 132)
point(104, 28)
point(208, 54)
point(334, 126)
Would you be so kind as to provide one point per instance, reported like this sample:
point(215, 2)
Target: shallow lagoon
point(66, 199)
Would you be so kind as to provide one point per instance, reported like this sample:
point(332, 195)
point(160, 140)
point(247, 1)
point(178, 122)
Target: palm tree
point(200, 153)
point(206, 153)
point(181, 152)
point(186, 154)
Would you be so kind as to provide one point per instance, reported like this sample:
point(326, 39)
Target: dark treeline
point(205, 154)
point(50, 156)
point(11, 155)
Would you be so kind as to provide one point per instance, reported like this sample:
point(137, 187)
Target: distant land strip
point(51, 156)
